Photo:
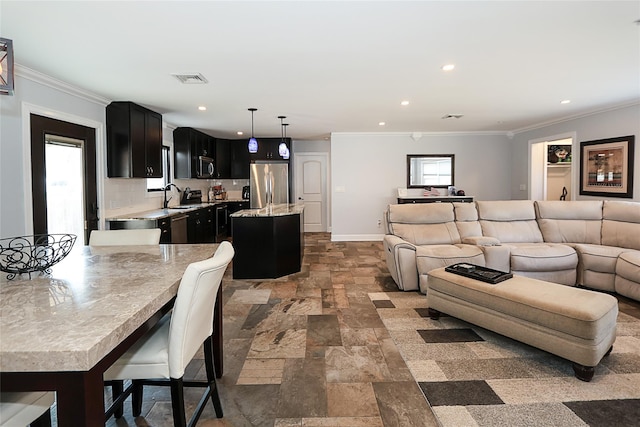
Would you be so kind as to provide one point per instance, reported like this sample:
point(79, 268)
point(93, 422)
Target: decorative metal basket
point(39, 252)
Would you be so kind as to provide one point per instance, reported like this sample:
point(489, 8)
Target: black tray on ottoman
point(478, 272)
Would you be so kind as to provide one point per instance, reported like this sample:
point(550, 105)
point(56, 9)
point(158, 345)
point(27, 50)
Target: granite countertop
point(171, 211)
point(93, 299)
point(275, 210)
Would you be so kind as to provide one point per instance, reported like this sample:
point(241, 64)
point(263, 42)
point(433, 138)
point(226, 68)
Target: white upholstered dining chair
point(147, 236)
point(26, 408)
point(161, 356)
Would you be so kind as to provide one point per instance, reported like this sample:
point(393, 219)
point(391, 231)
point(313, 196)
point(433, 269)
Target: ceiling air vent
point(451, 116)
point(192, 78)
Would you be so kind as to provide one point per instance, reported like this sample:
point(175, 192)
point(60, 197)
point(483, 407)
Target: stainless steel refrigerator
point(269, 183)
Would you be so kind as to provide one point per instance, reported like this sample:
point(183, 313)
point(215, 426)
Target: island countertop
point(270, 211)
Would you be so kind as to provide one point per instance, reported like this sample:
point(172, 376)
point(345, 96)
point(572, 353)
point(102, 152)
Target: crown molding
point(54, 83)
point(575, 117)
point(419, 134)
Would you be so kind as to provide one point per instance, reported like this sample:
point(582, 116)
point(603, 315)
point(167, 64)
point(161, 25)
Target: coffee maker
point(246, 190)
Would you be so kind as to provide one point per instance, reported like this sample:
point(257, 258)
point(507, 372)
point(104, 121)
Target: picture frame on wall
point(606, 167)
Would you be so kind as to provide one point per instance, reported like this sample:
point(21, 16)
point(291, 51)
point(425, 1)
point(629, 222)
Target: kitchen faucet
point(166, 201)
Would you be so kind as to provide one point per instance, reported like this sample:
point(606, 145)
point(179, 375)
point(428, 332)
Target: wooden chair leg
point(211, 375)
point(136, 397)
point(177, 403)
point(43, 420)
point(117, 387)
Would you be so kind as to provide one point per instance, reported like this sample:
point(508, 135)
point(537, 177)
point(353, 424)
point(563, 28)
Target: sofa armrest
point(401, 262)
point(481, 241)
point(497, 257)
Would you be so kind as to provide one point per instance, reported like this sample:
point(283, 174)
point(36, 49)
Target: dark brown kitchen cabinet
point(223, 158)
point(134, 141)
point(268, 149)
point(164, 224)
point(239, 161)
point(188, 145)
point(201, 225)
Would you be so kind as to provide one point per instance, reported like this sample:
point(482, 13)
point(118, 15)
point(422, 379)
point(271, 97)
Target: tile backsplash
point(130, 195)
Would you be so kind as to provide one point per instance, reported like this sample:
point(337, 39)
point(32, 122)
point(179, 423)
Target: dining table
point(59, 331)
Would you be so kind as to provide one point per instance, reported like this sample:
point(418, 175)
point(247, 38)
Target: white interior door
point(311, 189)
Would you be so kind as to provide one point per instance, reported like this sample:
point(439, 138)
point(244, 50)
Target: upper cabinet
point(134, 141)
point(189, 146)
point(223, 158)
point(239, 154)
point(268, 149)
point(231, 157)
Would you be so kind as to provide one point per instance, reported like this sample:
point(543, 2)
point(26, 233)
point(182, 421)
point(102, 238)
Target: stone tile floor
point(307, 349)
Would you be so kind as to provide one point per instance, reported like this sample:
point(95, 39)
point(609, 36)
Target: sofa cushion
point(627, 280)
point(570, 221)
point(510, 221)
point(543, 257)
point(424, 223)
point(621, 224)
point(467, 220)
point(597, 266)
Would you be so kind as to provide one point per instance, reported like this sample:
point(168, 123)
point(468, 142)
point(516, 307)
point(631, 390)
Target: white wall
point(609, 124)
point(367, 169)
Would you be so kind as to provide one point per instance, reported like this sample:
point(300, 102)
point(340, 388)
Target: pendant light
point(282, 148)
point(253, 143)
point(285, 154)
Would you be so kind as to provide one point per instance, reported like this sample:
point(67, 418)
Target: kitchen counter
point(275, 210)
point(170, 211)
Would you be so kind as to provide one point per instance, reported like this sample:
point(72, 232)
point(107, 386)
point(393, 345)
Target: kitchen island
point(268, 242)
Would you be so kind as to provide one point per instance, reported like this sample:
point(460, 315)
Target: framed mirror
point(430, 170)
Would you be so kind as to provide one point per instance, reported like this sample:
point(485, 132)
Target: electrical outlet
point(523, 187)
point(379, 223)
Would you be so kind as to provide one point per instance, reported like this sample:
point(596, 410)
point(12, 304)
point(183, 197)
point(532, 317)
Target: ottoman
point(576, 324)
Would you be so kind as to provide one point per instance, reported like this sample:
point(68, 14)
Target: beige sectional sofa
point(595, 244)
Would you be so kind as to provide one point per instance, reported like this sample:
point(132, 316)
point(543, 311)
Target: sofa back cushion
point(509, 221)
point(423, 223)
point(570, 221)
point(621, 224)
point(467, 220)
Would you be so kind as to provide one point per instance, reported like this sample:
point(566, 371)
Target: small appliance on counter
point(246, 191)
point(190, 197)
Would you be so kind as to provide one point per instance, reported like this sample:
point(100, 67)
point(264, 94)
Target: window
point(158, 184)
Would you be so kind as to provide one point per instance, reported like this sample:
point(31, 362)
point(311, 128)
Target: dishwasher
point(179, 229)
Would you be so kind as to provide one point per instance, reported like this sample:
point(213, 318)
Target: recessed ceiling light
point(381, 123)
point(448, 67)
point(240, 132)
point(404, 103)
point(565, 101)
point(202, 108)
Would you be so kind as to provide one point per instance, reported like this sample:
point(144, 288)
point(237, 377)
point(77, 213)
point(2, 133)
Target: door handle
point(300, 198)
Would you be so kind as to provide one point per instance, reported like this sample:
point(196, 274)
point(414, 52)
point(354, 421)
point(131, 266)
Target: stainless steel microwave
point(206, 167)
